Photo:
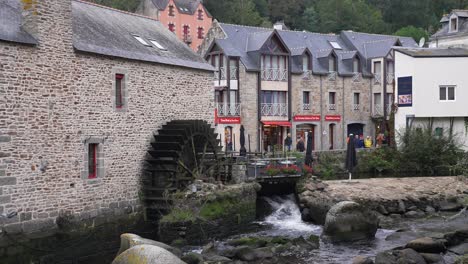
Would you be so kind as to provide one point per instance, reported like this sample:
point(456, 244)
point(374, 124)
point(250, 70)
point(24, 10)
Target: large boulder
point(350, 221)
point(427, 245)
point(147, 254)
point(405, 256)
point(128, 240)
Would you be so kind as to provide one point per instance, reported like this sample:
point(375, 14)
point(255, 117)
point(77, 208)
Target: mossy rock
point(249, 241)
point(462, 260)
point(178, 215)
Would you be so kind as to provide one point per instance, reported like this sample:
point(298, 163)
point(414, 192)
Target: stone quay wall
point(55, 101)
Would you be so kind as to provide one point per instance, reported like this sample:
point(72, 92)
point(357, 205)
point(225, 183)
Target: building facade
point(83, 90)
point(188, 19)
point(453, 31)
point(275, 82)
point(432, 91)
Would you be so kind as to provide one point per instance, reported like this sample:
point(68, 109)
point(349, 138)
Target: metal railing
point(274, 74)
point(331, 106)
point(390, 77)
point(356, 107)
point(379, 110)
point(357, 77)
point(307, 75)
point(229, 109)
point(332, 76)
point(306, 107)
point(377, 78)
point(274, 109)
point(233, 73)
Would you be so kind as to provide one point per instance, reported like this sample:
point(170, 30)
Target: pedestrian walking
point(288, 142)
point(300, 145)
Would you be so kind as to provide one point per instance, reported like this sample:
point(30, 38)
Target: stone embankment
point(394, 197)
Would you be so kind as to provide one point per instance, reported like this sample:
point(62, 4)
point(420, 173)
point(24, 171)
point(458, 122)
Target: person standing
point(300, 145)
point(368, 142)
point(288, 142)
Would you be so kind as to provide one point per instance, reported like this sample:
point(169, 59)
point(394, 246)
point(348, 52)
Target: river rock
point(128, 240)
point(318, 205)
point(433, 258)
point(415, 214)
point(405, 256)
point(430, 209)
point(147, 254)
point(450, 205)
point(193, 258)
point(362, 260)
point(427, 245)
point(461, 249)
point(246, 253)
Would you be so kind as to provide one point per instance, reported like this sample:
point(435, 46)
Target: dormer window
point(171, 11)
point(200, 14)
point(356, 64)
point(454, 24)
point(306, 65)
point(142, 41)
point(332, 63)
point(335, 45)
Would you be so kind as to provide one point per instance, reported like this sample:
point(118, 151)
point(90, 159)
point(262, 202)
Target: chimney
point(280, 26)
point(30, 17)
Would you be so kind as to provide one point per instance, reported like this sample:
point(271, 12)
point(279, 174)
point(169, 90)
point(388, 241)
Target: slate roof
point(244, 41)
point(184, 6)
point(107, 31)
point(10, 23)
point(434, 52)
point(443, 32)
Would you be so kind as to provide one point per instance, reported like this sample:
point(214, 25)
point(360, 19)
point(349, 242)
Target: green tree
point(310, 20)
point(237, 12)
point(414, 32)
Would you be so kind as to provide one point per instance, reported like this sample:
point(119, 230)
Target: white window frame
point(446, 93)
point(456, 25)
point(335, 45)
point(157, 45)
point(142, 40)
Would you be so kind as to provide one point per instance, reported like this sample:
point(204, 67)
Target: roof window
point(335, 45)
point(142, 41)
point(159, 46)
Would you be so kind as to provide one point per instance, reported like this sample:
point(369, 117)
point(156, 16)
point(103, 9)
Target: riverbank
point(396, 197)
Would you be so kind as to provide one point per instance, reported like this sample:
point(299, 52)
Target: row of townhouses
point(274, 81)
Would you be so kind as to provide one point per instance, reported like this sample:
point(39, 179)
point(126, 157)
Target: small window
point(332, 63)
point(200, 33)
point(453, 24)
point(331, 98)
point(200, 14)
point(171, 27)
point(118, 91)
point(447, 93)
point(377, 67)
point(142, 41)
point(357, 98)
point(159, 46)
point(439, 132)
point(306, 97)
point(306, 63)
point(171, 11)
point(335, 45)
point(92, 160)
point(356, 65)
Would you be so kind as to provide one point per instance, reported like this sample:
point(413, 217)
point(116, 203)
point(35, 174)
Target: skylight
point(335, 45)
point(159, 46)
point(142, 41)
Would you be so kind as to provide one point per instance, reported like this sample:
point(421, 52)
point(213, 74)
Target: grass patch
point(179, 215)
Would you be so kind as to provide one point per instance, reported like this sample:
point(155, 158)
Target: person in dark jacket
point(300, 145)
point(288, 142)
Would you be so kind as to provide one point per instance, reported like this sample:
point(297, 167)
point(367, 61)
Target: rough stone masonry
point(55, 100)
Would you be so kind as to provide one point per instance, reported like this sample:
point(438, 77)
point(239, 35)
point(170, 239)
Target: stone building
point(188, 19)
point(275, 81)
point(453, 31)
point(83, 88)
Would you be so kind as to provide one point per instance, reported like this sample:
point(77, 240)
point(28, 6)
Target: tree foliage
point(402, 17)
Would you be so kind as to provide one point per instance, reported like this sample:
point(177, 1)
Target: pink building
point(188, 19)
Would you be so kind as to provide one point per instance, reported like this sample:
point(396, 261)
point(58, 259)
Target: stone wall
point(54, 101)
point(248, 91)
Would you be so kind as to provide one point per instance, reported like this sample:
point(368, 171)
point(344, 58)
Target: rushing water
point(285, 220)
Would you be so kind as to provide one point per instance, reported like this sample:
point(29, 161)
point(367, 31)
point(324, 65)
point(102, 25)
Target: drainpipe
point(385, 99)
point(321, 114)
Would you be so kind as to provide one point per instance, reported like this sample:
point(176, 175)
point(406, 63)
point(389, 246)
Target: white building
point(453, 31)
point(432, 90)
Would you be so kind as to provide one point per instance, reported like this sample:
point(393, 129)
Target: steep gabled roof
point(10, 23)
point(106, 31)
point(444, 31)
point(184, 6)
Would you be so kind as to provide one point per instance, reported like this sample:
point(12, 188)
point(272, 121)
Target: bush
point(328, 165)
point(383, 159)
point(423, 151)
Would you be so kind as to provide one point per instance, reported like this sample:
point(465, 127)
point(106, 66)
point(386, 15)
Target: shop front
point(305, 125)
point(273, 135)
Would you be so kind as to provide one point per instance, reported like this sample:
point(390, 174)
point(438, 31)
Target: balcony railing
point(356, 107)
point(357, 77)
point(229, 109)
point(274, 110)
point(377, 78)
point(221, 73)
point(332, 76)
point(306, 107)
point(307, 75)
point(331, 106)
point(275, 75)
point(390, 77)
point(379, 111)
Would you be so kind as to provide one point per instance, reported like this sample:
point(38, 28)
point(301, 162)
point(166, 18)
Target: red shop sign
point(303, 118)
point(336, 118)
point(229, 120)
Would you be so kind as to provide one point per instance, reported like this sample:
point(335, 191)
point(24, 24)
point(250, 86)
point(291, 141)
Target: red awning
point(277, 123)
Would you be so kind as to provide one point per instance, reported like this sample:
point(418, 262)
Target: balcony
point(332, 76)
point(226, 110)
point(307, 75)
point(280, 75)
point(356, 107)
point(280, 110)
point(390, 77)
point(377, 78)
point(306, 107)
point(220, 77)
point(379, 111)
point(357, 77)
point(332, 107)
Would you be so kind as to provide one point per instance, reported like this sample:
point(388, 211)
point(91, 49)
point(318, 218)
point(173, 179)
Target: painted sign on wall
point(305, 118)
point(405, 91)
